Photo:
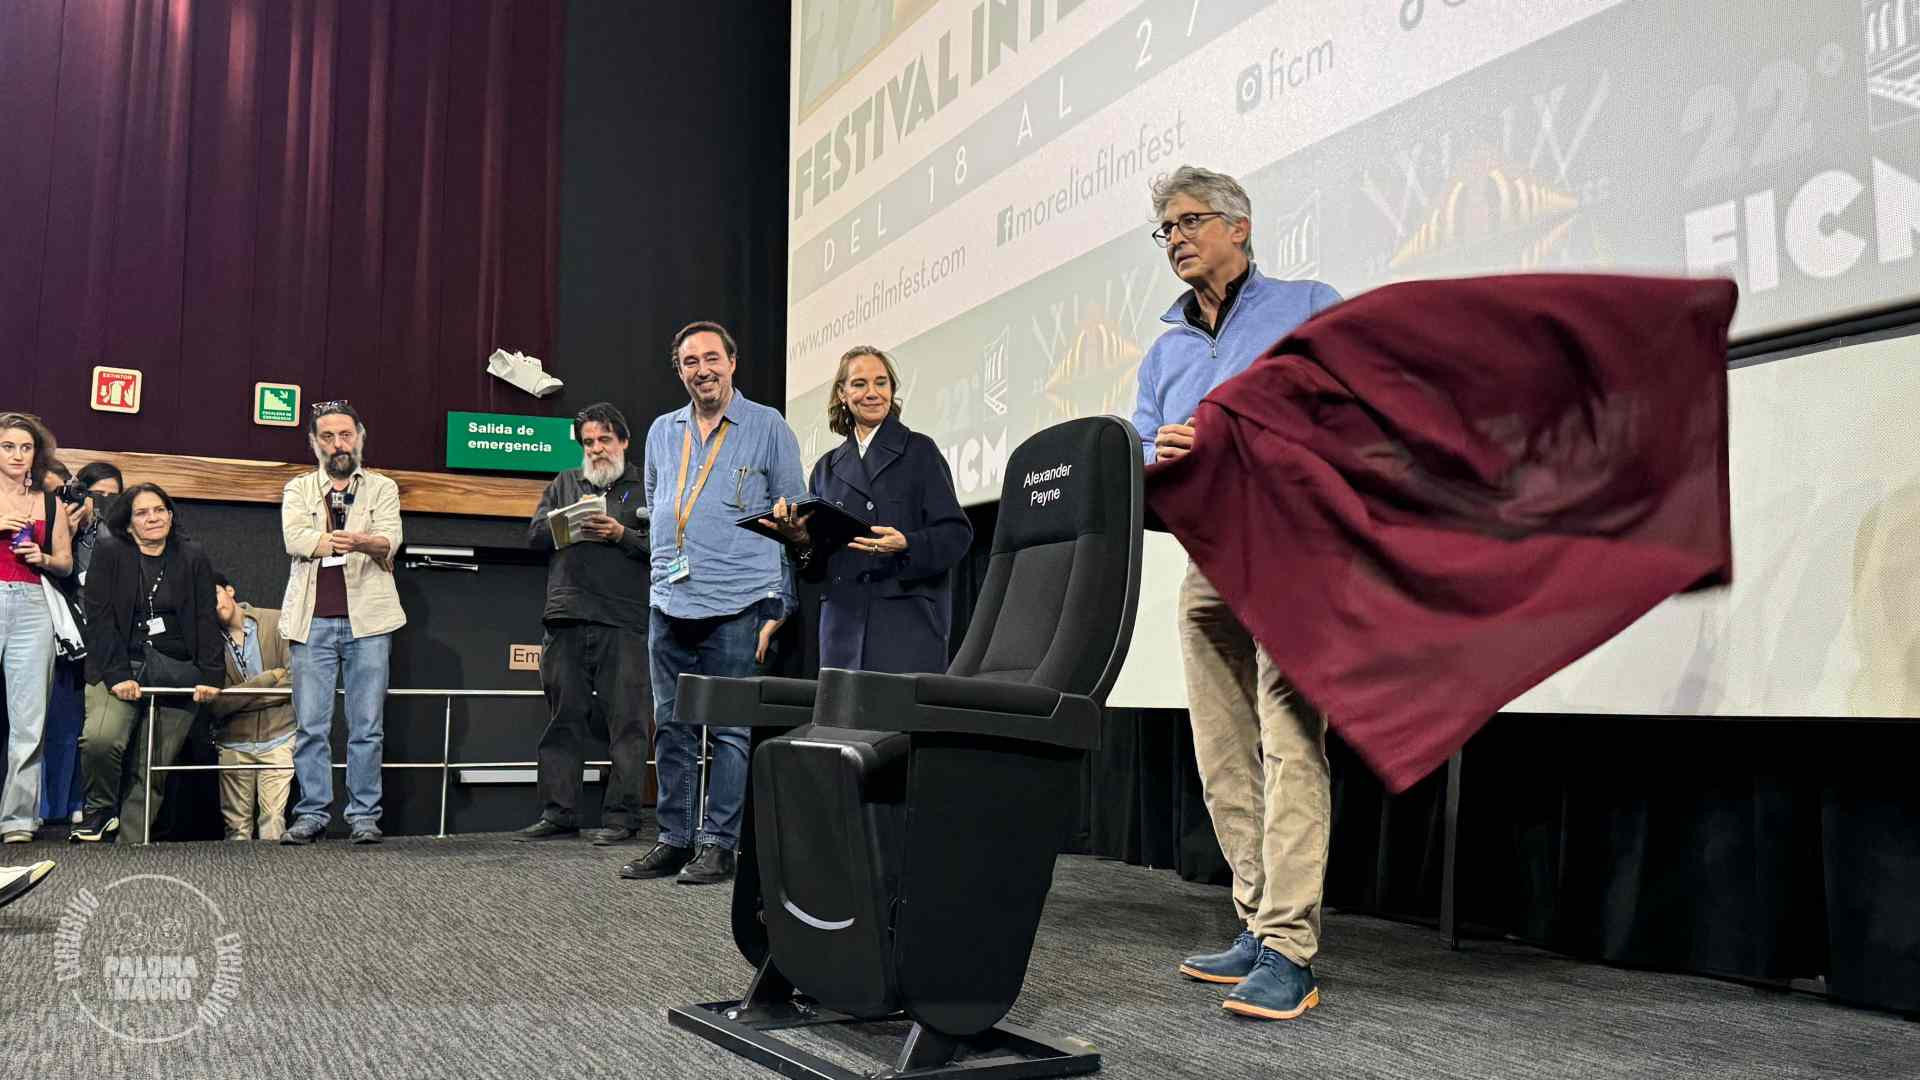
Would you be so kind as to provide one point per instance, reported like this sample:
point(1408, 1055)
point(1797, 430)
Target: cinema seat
point(907, 832)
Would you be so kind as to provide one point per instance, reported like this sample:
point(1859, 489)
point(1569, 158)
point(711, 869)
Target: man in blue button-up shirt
point(718, 594)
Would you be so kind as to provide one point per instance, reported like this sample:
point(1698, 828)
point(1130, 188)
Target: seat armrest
point(759, 701)
point(959, 692)
point(874, 701)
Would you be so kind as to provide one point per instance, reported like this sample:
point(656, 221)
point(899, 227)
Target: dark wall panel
point(672, 197)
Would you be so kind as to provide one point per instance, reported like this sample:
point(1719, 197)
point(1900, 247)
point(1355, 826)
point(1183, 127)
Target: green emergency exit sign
point(538, 444)
point(276, 404)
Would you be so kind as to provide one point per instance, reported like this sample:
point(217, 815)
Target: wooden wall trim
point(238, 480)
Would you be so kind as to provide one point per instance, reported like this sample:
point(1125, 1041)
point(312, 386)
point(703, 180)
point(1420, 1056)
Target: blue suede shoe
point(1230, 966)
point(1276, 989)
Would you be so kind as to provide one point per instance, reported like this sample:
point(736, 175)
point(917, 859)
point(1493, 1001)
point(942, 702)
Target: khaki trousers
point(1262, 756)
point(250, 795)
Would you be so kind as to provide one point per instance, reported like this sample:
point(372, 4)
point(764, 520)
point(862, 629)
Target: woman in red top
point(38, 541)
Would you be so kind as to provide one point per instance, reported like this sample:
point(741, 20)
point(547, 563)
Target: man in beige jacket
point(253, 729)
point(341, 525)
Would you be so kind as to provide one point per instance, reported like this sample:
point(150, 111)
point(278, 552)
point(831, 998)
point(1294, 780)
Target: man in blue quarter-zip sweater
point(1260, 749)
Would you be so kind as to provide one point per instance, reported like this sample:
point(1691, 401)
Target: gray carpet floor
point(478, 958)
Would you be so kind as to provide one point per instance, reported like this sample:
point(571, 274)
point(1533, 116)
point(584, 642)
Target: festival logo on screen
point(1297, 251)
point(976, 455)
point(1284, 70)
point(1091, 345)
point(810, 442)
point(1507, 192)
point(838, 37)
point(1892, 61)
point(903, 395)
point(993, 373)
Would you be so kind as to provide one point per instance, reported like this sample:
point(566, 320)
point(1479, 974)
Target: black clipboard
point(829, 524)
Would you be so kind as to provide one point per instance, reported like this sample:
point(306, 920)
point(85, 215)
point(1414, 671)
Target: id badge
point(156, 626)
point(679, 569)
point(334, 560)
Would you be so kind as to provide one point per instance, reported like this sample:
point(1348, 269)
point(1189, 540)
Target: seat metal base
point(1004, 1052)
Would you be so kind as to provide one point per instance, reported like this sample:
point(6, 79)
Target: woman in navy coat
point(887, 604)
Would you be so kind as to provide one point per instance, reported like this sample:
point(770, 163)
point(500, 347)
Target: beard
point(340, 464)
point(603, 475)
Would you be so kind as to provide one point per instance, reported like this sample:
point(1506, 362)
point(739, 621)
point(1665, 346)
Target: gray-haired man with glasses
point(1260, 749)
point(341, 526)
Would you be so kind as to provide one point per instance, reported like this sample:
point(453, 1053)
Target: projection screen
point(968, 184)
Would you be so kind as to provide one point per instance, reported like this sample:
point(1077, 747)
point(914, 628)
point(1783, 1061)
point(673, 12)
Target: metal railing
point(446, 765)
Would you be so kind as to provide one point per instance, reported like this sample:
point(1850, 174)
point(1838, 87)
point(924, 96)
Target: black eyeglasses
point(321, 408)
point(1186, 223)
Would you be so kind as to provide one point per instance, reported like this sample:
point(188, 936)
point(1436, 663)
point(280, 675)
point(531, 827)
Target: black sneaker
point(545, 830)
point(96, 828)
point(664, 860)
point(712, 866)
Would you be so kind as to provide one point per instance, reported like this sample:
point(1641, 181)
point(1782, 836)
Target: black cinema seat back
point(1054, 610)
point(907, 869)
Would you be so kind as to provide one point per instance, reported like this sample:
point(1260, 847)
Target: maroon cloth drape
point(1435, 495)
point(358, 196)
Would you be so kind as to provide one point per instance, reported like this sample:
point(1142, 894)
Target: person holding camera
point(38, 542)
point(91, 495)
point(150, 622)
point(61, 798)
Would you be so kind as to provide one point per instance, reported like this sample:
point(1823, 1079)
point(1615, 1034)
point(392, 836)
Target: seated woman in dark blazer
point(887, 603)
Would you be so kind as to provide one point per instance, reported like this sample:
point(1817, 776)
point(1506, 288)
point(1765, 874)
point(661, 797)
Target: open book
point(566, 521)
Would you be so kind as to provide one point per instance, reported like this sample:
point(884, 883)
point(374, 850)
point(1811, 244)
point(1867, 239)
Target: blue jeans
point(26, 658)
point(318, 663)
point(722, 646)
point(62, 791)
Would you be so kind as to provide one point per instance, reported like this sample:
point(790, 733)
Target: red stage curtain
point(359, 196)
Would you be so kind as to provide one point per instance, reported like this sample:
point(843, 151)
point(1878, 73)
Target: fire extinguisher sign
point(116, 389)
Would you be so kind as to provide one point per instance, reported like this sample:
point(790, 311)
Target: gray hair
point(1221, 193)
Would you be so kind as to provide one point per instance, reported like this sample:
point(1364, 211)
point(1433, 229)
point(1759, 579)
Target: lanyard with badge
point(155, 624)
point(679, 569)
point(239, 654)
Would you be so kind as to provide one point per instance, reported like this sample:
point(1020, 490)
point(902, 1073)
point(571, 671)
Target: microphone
point(339, 502)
